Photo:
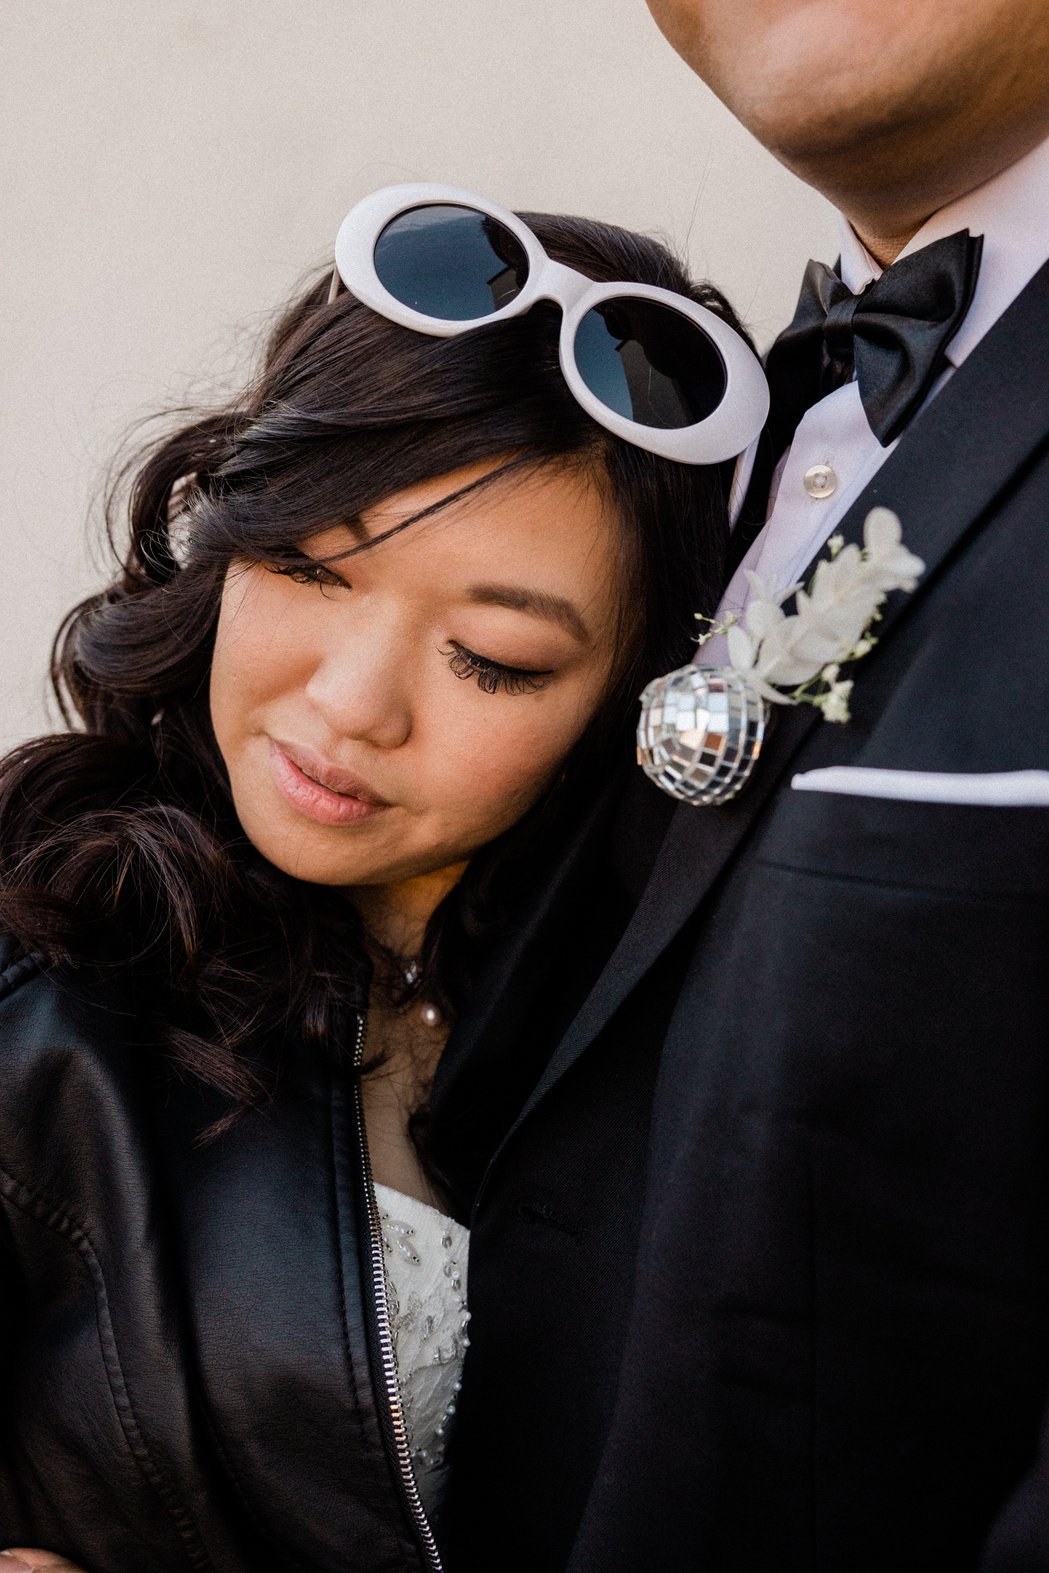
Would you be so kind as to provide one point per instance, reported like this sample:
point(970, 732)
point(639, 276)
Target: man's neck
point(899, 194)
point(888, 220)
point(886, 248)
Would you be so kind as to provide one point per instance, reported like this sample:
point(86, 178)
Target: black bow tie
point(894, 335)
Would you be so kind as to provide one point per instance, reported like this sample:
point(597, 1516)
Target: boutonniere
point(702, 727)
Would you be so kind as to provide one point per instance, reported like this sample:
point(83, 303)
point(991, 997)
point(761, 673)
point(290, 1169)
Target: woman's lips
point(318, 789)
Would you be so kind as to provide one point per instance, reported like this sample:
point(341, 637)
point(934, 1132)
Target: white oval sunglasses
point(651, 366)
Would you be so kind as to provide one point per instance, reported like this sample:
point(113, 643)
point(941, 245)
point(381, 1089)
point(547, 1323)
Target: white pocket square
point(996, 789)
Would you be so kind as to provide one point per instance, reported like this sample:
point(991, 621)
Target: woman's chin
point(319, 865)
point(340, 858)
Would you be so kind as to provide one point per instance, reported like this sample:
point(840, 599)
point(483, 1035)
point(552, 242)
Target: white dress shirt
point(834, 452)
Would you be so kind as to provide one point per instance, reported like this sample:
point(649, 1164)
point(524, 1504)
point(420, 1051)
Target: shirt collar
point(1011, 212)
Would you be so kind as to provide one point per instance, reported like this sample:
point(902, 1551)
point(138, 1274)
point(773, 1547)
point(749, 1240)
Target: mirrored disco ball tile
point(700, 733)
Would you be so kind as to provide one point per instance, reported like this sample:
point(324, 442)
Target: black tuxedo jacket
point(760, 1270)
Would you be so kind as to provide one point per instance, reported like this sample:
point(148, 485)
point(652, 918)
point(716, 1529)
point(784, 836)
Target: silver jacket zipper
point(395, 1429)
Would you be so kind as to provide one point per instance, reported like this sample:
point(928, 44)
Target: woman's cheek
point(257, 646)
point(502, 765)
point(235, 662)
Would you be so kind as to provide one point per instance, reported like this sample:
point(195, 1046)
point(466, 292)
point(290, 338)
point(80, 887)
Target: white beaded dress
point(425, 1255)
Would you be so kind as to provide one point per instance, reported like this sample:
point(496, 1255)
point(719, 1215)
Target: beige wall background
point(169, 170)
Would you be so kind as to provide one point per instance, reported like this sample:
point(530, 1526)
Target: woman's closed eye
point(493, 677)
point(303, 569)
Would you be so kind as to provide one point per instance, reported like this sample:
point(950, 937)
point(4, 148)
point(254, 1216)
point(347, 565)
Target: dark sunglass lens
point(649, 363)
point(451, 263)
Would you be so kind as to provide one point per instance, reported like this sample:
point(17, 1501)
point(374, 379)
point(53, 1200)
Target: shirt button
point(820, 481)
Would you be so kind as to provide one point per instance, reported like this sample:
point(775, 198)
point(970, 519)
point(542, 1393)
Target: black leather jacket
point(190, 1377)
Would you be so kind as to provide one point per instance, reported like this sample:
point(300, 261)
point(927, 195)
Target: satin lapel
point(961, 452)
point(495, 1053)
point(518, 960)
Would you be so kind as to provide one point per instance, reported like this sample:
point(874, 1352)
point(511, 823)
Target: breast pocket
point(893, 966)
point(972, 849)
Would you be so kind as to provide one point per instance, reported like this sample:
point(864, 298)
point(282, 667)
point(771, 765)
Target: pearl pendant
point(431, 1015)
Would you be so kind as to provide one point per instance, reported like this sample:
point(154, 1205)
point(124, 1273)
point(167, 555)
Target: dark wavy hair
point(120, 851)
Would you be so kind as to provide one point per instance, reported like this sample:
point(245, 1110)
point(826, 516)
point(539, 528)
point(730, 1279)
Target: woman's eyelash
point(307, 570)
point(493, 676)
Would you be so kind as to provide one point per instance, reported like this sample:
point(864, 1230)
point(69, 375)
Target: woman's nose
point(360, 688)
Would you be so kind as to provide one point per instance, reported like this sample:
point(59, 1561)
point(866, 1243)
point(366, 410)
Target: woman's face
point(383, 718)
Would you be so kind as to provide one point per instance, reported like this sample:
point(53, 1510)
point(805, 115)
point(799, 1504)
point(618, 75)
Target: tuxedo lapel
point(957, 457)
point(498, 1047)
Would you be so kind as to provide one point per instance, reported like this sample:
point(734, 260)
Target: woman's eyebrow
point(541, 603)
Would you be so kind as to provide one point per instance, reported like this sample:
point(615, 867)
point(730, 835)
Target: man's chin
point(869, 156)
point(835, 118)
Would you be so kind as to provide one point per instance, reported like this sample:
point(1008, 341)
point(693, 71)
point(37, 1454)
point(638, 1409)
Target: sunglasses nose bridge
point(561, 284)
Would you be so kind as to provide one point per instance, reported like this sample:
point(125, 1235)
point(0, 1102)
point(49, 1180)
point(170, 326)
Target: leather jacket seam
point(20, 1196)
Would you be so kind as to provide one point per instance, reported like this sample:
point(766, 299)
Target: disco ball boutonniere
point(702, 727)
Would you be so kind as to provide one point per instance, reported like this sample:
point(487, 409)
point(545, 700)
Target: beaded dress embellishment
point(425, 1254)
